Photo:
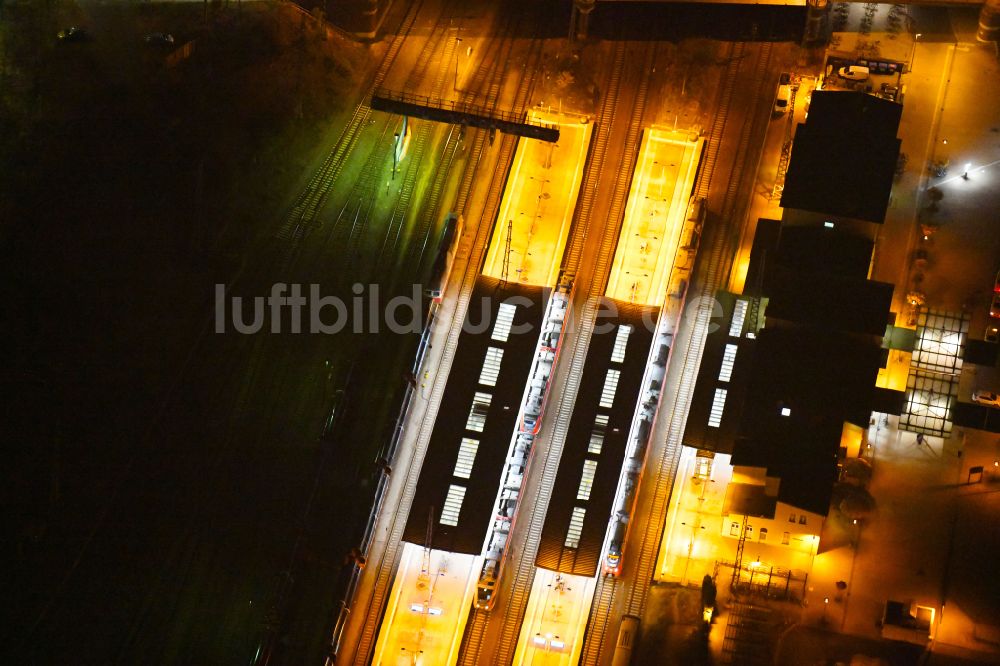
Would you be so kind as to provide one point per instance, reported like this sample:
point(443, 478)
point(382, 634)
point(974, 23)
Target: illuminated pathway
point(427, 612)
point(557, 609)
point(692, 540)
point(538, 204)
point(654, 216)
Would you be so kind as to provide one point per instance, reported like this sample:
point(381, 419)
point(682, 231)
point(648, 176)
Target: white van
point(853, 73)
point(783, 98)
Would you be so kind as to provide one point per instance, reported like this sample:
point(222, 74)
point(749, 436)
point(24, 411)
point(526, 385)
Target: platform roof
point(438, 473)
point(583, 560)
point(697, 433)
point(844, 156)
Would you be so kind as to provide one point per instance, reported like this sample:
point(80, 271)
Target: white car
point(782, 98)
point(986, 398)
point(853, 73)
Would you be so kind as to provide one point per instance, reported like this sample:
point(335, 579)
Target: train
point(628, 633)
point(635, 459)
point(444, 260)
point(522, 449)
point(538, 388)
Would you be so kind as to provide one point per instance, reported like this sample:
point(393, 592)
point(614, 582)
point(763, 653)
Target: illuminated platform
point(427, 611)
point(654, 216)
point(691, 542)
point(555, 619)
point(538, 203)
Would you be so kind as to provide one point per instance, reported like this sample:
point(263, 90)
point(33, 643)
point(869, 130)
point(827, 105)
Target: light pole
point(395, 153)
point(913, 50)
point(458, 43)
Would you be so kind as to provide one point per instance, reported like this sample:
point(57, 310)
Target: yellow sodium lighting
point(538, 204)
point(555, 619)
point(897, 369)
point(850, 439)
point(654, 216)
point(427, 619)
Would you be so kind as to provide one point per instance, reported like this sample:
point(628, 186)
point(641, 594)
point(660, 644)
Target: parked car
point(853, 73)
point(995, 305)
point(782, 99)
point(996, 285)
point(889, 92)
point(992, 331)
point(986, 398)
point(159, 39)
point(73, 34)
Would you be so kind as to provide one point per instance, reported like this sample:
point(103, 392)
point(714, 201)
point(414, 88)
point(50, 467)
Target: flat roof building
point(780, 378)
point(844, 157)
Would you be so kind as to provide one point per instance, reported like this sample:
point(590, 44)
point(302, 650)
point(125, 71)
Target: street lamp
point(395, 153)
point(913, 50)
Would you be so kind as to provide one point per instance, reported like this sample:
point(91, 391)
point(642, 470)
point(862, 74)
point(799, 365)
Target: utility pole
point(423, 580)
point(506, 254)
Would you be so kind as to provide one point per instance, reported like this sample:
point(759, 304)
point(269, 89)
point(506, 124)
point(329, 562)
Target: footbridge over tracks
point(463, 113)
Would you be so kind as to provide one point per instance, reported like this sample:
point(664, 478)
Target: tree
point(708, 592)
point(857, 471)
point(853, 502)
point(934, 194)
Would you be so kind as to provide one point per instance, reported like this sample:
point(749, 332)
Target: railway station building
point(788, 381)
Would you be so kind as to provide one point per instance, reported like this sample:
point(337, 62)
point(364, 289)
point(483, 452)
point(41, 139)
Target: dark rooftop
point(823, 250)
point(553, 554)
point(823, 379)
point(828, 301)
point(483, 484)
point(844, 156)
point(749, 500)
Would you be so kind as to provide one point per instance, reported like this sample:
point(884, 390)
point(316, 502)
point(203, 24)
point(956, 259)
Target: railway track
point(666, 465)
point(661, 470)
point(580, 232)
point(486, 85)
point(389, 558)
point(439, 50)
point(600, 616)
point(716, 273)
point(719, 259)
point(310, 201)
